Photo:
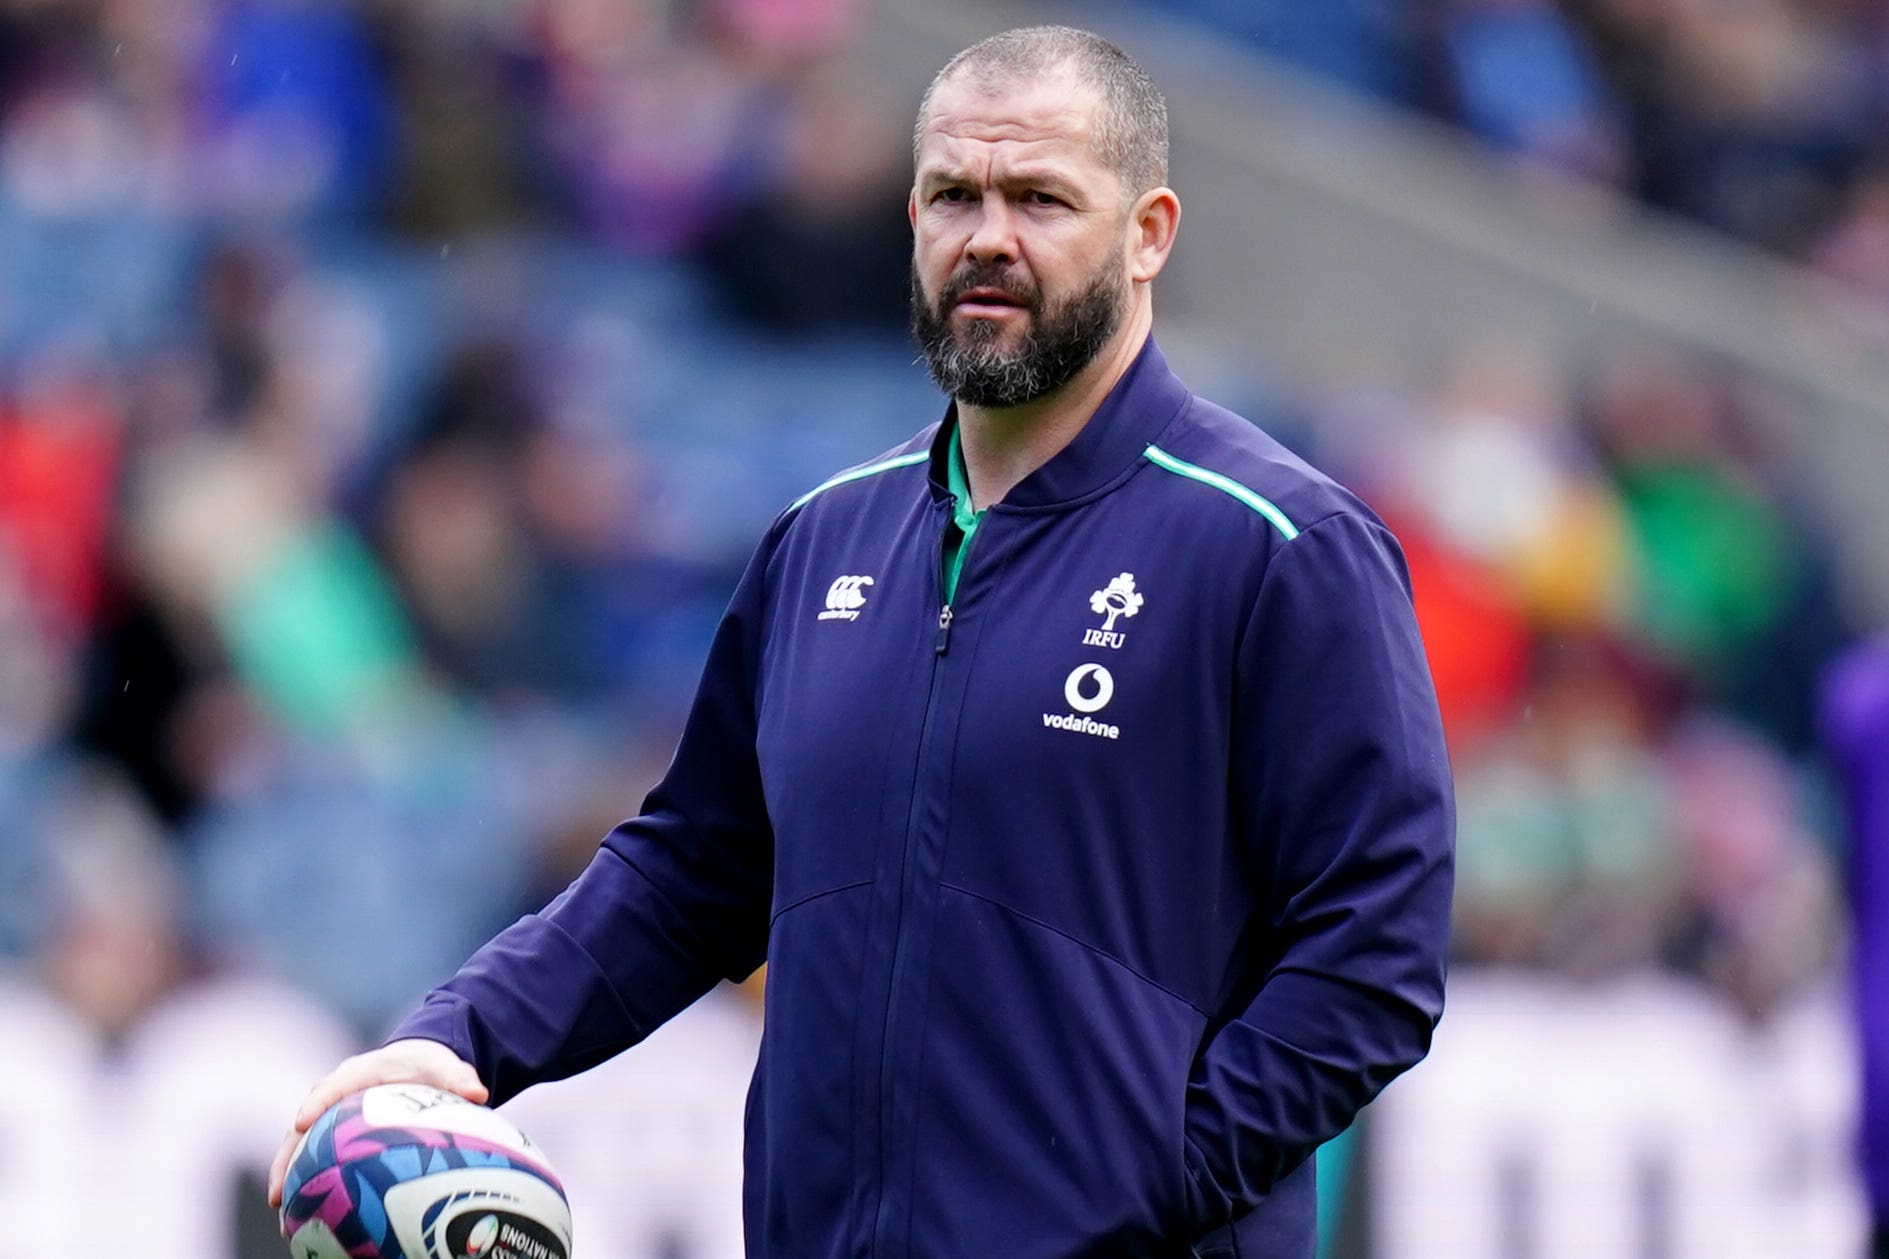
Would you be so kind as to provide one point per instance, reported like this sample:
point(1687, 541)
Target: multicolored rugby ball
point(406, 1171)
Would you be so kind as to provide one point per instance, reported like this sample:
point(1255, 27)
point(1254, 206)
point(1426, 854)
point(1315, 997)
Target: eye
point(1036, 196)
point(951, 195)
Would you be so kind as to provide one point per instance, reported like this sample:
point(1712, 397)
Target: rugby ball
point(406, 1171)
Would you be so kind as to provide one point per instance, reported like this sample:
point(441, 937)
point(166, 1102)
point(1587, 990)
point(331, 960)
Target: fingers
point(279, 1169)
point(353, 1075)
point(402, 1062)
point(466, 1082)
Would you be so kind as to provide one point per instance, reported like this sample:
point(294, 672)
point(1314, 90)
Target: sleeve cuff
point(441, 1017)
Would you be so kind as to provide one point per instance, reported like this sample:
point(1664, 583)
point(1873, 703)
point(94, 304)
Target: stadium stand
point(390, 394)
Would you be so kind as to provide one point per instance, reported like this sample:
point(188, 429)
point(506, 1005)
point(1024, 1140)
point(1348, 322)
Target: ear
point(1152, 223)
point(911, 207)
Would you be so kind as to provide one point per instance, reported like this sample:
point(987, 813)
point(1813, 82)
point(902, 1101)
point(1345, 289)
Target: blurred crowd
point(1627, 606)
point(1625, 593)
point(390, 393)
point(1763, 118)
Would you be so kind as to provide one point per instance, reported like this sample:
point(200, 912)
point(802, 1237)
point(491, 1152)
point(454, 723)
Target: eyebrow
point(1038, 177)
point(943, 175)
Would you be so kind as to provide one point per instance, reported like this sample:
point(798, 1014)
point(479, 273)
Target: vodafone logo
point(1088, 689)
point(1080, 679)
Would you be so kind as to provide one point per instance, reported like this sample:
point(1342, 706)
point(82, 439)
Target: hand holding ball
point(407, 1171)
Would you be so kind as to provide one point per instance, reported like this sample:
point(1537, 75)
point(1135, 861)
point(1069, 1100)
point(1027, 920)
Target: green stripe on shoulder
point(1193, 472)
point(884, 465)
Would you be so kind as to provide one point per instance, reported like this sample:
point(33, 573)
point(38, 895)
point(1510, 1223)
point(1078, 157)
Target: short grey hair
point(1131, 127)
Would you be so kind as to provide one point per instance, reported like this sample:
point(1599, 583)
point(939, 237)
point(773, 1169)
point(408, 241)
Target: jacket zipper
point(888, 1060)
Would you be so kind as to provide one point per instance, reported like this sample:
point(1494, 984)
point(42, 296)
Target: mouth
point(986, 302)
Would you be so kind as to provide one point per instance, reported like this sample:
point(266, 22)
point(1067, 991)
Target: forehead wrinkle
point(1001, 153)
point(1047, 125)
point(1010, 158)
point(1053, 109)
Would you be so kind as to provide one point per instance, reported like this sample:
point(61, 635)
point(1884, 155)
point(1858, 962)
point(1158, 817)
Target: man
point(1074, 766)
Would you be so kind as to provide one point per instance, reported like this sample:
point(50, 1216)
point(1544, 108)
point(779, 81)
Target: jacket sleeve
point(1341, 790)
point(675, 899)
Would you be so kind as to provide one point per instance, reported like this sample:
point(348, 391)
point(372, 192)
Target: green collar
point(962, 515)
point(960, 486)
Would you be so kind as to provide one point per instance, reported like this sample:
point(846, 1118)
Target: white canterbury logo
point(844, 598)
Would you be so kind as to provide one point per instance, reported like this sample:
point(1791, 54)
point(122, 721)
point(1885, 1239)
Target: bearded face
point(991, 362)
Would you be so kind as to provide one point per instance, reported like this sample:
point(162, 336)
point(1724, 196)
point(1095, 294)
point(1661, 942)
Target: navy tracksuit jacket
point(1093, 903)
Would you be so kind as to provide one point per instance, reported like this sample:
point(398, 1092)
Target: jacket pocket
point(802, 1161)
point(1050, 1103)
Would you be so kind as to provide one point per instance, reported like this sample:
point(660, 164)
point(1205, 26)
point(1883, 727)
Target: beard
point(972, 366)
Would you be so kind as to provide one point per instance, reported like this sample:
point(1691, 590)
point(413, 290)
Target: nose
point(994, 237)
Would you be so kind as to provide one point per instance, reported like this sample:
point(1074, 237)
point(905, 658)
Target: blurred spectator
point(1729, 585)
point(452, 527)
point(60, 435)
point(368, 868)
point(1518, 77)
point(292, 110)
point(1474, 633)
point(236, 289)
point(1716, 554)
point(821, 241)
point(462, 91)
point(655, 134)
point(1363, 44)
point(152, 703)
point(131, 1067)
point(1543, 518)
point(1772, 105)
point(1763, 912)
point(232, 536)
point(1568, 852)
point(38, 687)
point(1855, 254)
point(1540, 546)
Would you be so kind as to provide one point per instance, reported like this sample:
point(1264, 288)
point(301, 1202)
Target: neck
point(1003, 445)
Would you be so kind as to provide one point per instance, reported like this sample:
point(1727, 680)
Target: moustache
point(1017, 289)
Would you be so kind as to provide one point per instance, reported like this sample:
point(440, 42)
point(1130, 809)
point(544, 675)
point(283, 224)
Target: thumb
point(464, 1081)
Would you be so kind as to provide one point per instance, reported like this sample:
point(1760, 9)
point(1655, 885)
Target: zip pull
point(944, 628)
